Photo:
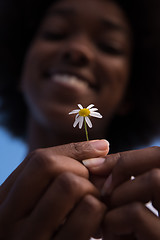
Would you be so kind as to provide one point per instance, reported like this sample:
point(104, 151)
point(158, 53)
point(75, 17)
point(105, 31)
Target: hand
point(128, 217)
point(41, 198)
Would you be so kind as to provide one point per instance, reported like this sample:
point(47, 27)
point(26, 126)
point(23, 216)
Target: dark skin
point(129, 218)
point(52, 195)
point(44, 187)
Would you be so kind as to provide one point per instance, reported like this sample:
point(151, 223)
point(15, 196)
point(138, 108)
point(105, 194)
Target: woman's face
point(80, 54)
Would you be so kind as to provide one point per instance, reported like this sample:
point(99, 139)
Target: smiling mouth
point(70, 80)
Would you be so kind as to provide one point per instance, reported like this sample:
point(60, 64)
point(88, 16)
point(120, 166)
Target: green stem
point(85, 126)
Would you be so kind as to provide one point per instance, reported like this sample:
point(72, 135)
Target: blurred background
point(12, 152)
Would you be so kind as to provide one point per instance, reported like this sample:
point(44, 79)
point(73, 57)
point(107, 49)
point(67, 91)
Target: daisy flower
point(83, 116)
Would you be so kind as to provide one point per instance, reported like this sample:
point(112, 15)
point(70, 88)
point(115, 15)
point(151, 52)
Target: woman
point(85, 52)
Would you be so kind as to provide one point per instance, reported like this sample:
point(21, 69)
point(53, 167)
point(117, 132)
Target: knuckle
point(155, 151)
point(74, 186)
point(154, 178)
point(76, 147)
point(68, 182)
point(155, 148)
point(135, 212)
point(123, 160)
point(80, 149)
point(121, 166)
point(42, 160)
point(92, 205)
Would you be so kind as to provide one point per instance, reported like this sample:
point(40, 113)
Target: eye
point(53, 35)
point(111, 49)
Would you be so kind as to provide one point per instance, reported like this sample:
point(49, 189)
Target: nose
point(77, 54)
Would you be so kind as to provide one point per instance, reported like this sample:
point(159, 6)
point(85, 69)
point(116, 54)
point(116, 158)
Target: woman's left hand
point(128, 217)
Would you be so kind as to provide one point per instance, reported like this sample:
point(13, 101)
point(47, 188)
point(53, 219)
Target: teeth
point(68, 79)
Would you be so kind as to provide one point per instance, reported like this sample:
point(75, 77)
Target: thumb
point(101, 166)
point(83, 150)
point(78, 151)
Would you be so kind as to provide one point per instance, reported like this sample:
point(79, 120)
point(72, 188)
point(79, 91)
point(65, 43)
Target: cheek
point(36, 56)
point(30, 66)
point(116, 71)
point(36, 60)
point(116, 68)
point(115, 80)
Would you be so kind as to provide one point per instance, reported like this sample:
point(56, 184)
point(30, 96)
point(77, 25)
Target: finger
point(133, 219)
point(78, 151)
point(131, 163)
point(59, 199)
point(42, 168)
point(101, 166)
point(84, 221)
point(143, 188)
point(31, 184)
point(83, 150)
point(97, 181)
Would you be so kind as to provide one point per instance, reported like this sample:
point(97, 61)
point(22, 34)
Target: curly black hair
point(19, 21)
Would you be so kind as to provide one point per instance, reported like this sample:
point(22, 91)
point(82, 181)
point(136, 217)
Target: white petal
point(76, 116)
point(88, 121)
point(74, 111)
point(96, 114)
point(90, 106)
point(93, 109)
point(76, 122)
point(80, 106)
point(81, 122)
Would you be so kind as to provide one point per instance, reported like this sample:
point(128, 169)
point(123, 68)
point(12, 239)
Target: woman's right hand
point(49, 195)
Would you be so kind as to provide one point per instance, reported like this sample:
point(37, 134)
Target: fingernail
point(107, 187)
point(93, 162)
point(100, 145)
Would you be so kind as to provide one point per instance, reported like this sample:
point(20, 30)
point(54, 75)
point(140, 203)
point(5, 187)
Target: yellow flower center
point(84, 112)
